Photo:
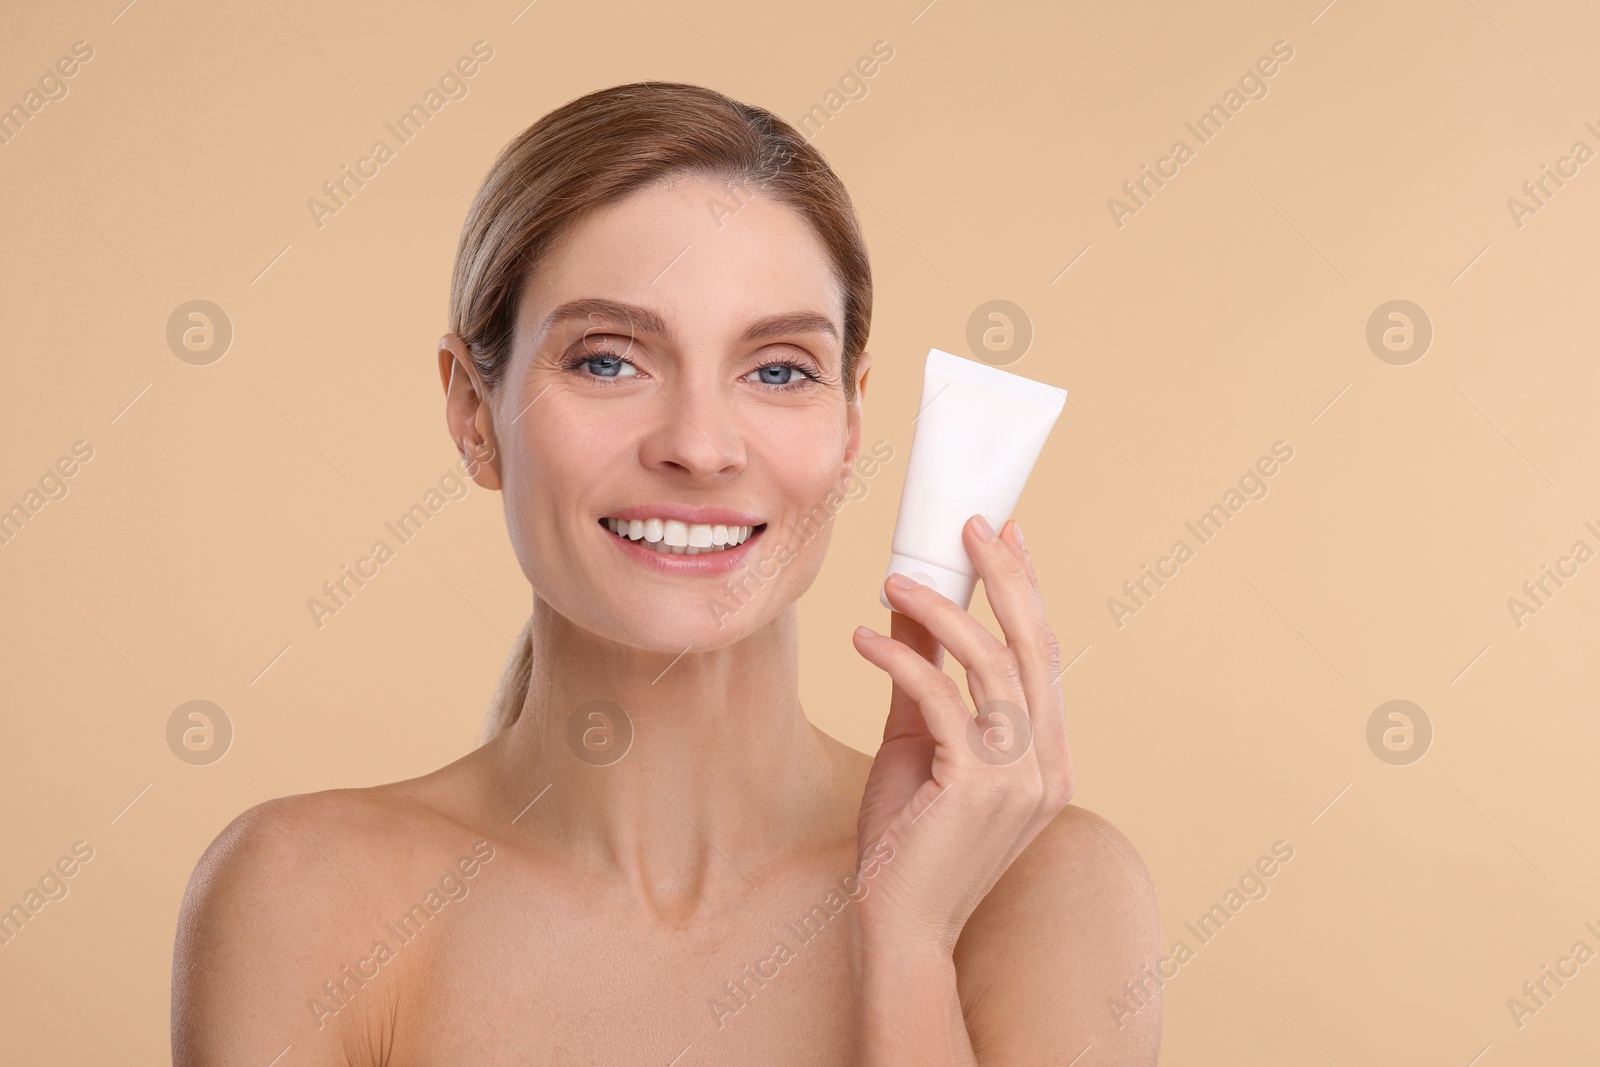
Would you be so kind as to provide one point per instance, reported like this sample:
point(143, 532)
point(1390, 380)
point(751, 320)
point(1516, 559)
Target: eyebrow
point(649, 321)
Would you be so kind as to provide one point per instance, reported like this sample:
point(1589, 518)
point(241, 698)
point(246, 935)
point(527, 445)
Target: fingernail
point(863, 632)
point(1017, 526)
point(900, 581)
point(984, 530)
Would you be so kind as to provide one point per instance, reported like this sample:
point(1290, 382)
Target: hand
point(957, 799)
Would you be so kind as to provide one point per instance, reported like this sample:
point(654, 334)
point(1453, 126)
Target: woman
point(658, 314)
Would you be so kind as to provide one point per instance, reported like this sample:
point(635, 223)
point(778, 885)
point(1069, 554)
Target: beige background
point(1227, 314)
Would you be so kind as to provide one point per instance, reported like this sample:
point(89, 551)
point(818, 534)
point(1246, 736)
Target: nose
point(694, 430)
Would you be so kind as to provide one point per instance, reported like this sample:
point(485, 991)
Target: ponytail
point(512, 691)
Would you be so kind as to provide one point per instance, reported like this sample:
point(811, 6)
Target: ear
point(853, 415)
point(468, 416)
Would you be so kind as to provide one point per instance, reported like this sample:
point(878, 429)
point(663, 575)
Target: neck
point(722, 773)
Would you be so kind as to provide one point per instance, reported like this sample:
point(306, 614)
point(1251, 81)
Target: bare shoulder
point(279, 906)
point(1046, 954)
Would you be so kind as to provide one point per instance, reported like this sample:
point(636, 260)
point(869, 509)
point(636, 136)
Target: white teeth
point(677, 537)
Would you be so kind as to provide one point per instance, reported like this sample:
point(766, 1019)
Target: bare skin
point(599, 914)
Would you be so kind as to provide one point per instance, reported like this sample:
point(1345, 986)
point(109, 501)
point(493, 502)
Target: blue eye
point(602, 363)
point(783, 379)
point(606, 366)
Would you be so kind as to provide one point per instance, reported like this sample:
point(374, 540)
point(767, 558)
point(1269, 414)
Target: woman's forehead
point(659, 260)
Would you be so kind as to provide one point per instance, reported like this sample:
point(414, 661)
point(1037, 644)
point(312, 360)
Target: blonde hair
point(512, 692)
point(594, 151)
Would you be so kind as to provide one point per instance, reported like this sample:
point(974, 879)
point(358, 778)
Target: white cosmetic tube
point(979, 432)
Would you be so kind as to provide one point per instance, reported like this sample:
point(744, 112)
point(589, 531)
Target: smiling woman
point(659, 388)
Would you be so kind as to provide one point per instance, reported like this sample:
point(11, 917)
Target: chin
point(679, 624)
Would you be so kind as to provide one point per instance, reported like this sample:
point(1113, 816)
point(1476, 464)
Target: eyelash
point(810, 377)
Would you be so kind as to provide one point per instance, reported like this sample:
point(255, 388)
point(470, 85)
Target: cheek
point(552, 465)
point(805, 457)
point(803, 477)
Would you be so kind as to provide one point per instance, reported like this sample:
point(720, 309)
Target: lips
point(675, 537)
point(686, 542)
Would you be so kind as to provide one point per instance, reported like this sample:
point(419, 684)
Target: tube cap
point(952, 584)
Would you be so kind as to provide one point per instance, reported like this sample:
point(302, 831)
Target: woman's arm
point(959, 803)
point(1062, 956)
point(1045, 966)
point(911, 1011)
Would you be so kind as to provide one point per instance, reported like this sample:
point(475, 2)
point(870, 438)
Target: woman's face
point(675, 374)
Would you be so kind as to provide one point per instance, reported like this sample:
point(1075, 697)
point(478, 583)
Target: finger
point(933, 692)
point(1018, 606)
point(903, 627)
point(1011, 534)
point(903, 714)
point(1057, 760)
point(1012, 588)
point(992, 668)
